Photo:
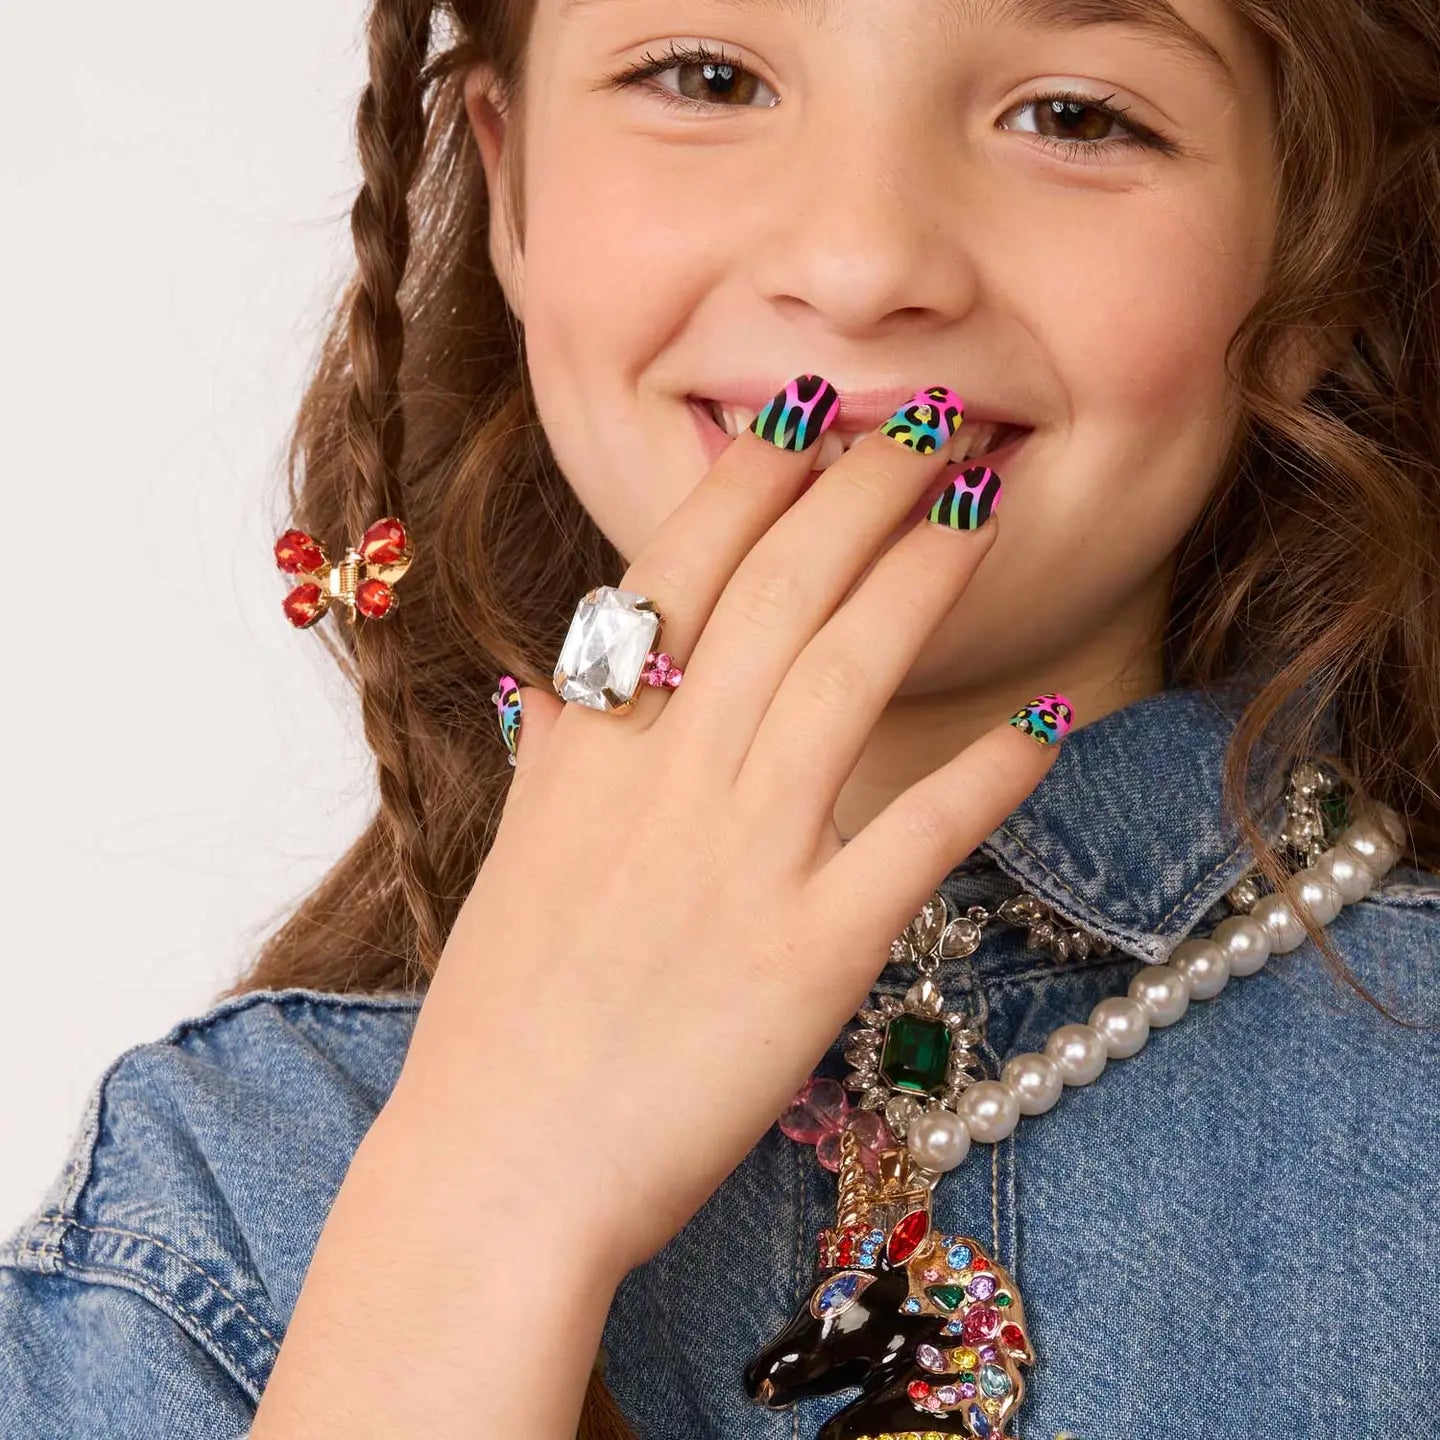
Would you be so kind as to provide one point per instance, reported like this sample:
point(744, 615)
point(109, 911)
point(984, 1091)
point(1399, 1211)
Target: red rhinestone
point(979, 1263)
point(917, 1389)
point(295, 551)
point(906, 1237)
point(373, 598)
point(981, 1323)
point(1012, 1337)
point(304, 605)
point(384, 542)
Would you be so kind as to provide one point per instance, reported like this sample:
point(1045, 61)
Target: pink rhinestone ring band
point(610, 651)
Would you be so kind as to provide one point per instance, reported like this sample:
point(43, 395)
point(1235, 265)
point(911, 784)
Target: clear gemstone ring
point(609, 651)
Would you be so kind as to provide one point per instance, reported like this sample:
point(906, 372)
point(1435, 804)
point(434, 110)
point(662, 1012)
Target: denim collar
point(1124, 835)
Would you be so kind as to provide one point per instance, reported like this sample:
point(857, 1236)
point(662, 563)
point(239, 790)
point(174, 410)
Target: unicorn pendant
point(927, 1325)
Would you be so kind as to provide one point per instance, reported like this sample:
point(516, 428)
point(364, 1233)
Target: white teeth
point(972, 441)
point(969, 442)
point(832, 447)
point(735, 418)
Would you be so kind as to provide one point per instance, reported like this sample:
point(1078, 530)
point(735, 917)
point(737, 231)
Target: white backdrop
point(179, 763)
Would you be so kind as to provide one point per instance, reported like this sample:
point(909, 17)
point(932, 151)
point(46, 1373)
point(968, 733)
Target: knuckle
point(837, 681)
point(927, 818)
point(769, 601)
point(868, 478)
point(668, 573)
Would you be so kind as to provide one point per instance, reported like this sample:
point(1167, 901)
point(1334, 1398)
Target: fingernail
point(926, 420)
point(800, 414)
point(1046, 718)
point(507, 705)
point(969, 500)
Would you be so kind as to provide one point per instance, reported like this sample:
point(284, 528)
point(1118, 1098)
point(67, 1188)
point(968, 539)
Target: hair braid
point(390, 127)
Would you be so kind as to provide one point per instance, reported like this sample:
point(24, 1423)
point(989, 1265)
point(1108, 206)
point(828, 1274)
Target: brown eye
point(723, 83)
point(705, 79)
point(1074, 120)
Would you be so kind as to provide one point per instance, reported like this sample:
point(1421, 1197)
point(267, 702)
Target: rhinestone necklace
point(934, 1324)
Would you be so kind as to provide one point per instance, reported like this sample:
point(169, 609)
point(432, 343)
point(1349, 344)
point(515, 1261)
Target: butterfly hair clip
point(363, 581)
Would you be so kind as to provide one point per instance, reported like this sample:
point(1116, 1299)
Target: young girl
point(942, 964)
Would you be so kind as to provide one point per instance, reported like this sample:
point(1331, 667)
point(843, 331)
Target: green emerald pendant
point(916, 1054)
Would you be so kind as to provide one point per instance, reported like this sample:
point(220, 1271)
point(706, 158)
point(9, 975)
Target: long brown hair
point(1312, 567)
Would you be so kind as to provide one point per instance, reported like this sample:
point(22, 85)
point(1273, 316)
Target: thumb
point(526, 714)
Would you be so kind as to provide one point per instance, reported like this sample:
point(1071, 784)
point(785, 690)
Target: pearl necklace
point(917, 1047)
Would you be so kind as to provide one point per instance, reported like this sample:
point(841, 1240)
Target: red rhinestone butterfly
point(363, 581)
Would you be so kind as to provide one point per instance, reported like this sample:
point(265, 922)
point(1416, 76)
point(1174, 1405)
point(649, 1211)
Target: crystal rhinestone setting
point(606, 648)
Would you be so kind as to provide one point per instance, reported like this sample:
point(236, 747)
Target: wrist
point(441, 1300)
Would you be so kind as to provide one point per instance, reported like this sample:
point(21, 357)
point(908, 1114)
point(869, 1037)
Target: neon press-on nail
point(969, 500)
point(926, 420)
point(800, 414)
point(1046, 718)
point(507, 706)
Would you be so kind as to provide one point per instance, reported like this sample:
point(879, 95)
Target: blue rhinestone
point(838, 1293)
point(979, 1422)
point(954, 1327)
point(911, 1306)
point(959, 1256)
point(994, 1381)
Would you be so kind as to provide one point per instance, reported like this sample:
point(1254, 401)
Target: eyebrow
point(1156, 18)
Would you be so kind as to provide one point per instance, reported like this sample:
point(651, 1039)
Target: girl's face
point(887, 193)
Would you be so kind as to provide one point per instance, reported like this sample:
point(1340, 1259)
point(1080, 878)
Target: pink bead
point(821, 1106)
point(870, 1129)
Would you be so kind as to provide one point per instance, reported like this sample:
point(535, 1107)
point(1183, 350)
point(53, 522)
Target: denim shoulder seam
point(294, 997)
point(77, 1263)
point(39, 1236)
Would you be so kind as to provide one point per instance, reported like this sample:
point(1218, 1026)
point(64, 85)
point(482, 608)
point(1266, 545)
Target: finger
point(827, 706)
point(796, 575)
point(875, 885)
point(526, 715)
point(687, 563)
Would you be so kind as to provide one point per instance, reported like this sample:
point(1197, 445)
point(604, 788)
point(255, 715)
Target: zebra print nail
point(969, 500)
point(799, 415)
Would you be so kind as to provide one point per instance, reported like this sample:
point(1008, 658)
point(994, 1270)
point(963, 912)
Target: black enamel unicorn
point(929, 1327)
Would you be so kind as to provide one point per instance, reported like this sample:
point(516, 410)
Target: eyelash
point(1139, 136)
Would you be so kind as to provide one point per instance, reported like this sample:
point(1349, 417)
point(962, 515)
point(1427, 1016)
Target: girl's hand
point(667, 934)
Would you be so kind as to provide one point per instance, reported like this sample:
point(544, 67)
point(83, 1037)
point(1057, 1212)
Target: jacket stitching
point(166, 1305)
point(1203, 880)
point(170, 1250)
point(1089, 910)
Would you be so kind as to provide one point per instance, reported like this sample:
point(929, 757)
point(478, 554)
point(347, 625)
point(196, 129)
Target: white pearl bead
point(1122, 1024)
point(989, 1110)
point(1347, 872)
point(1312, 892)
point(1079, 1052)
point(1034, 1080)
point(1245, 941)
point(1370, 842)
point(938, 1140)
point(1281, 922)
point(1161, 992)
point(1205, 966)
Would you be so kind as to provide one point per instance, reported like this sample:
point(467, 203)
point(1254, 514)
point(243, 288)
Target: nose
point(866, 231)
point(765, 1391)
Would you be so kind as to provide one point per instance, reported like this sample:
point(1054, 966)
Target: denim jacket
point(1232, 1232)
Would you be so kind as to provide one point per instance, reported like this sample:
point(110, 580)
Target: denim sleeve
point(149, 1292)
point(90, 1358)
